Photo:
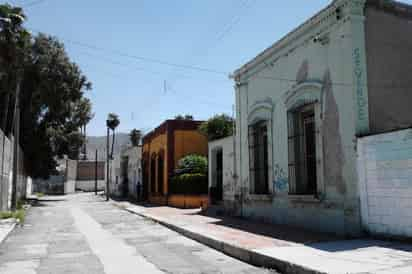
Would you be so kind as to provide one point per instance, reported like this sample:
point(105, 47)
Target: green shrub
point(18, 214)
point(193, 164)
point(195, 184)
point(6, 215)
point(39, 194)
point(20, 204)
point(217, 127)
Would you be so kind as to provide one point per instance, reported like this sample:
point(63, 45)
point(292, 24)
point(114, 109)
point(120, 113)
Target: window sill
point(304, 198)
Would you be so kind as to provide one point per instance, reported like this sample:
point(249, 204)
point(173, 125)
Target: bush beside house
point(189, 186)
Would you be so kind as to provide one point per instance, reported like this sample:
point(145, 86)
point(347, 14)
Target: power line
point(33, 3)
point(226, 29)
point(201, 69)
point(146, 59)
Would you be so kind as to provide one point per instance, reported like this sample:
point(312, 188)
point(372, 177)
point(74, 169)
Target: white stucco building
point(302, 103)
point(222, 179)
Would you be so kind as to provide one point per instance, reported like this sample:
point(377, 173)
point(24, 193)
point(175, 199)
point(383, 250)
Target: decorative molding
point(303, 93)
point(357, 7)
point(260, 110)
point(326, 16)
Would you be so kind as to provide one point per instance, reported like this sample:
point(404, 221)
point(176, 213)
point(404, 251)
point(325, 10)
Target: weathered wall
point(55, 185)
point(71, 174)
point(385, 172)
point(89, 186)
point(229, 183)
point(301, 69)
point(134, 170)
point(6, 167)
point(189, 142)
point(389, 59)
point(115, 184)
point(86, 170)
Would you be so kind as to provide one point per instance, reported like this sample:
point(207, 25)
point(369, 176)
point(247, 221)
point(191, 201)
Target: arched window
point(260, 147)
point(304, 106)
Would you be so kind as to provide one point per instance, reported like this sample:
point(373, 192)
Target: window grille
point(258, 157)
point(302, 151)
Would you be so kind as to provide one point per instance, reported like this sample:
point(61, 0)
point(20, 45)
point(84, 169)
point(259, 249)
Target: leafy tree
point(82, 116)
point(14, 41)
point(53, 105)
point(217, 127)
point(112, 123)
point(194, 164)
point(135, 136)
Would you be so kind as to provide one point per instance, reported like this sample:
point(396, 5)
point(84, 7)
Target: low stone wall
point(88, 186)
point(53, 186)
point(181, 201)
point(385, 182)
point(158, 200)
point(188, 201)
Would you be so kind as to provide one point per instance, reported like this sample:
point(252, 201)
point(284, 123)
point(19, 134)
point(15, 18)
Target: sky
point(129, 50)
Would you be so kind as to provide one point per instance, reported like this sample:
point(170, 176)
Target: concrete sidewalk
point(286, 249)
point(6, 227)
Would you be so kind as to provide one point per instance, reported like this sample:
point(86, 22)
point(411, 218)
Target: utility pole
point(85, 143)
point(95, 174)
point(107, 165)
point(16, 144)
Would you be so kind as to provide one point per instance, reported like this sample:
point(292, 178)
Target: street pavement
point(292, 250)
point(84, 234)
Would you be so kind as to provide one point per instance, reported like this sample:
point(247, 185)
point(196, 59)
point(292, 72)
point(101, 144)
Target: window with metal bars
point(258, 158)
point(302, 151)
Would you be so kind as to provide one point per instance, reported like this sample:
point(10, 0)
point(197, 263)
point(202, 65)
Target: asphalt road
point(84, 234)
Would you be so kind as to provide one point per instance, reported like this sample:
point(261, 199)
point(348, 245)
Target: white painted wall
point(334, 69)
point(226, 144)
point(134, 169)
point(385, 172)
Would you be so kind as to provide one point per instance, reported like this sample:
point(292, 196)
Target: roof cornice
point(298, 32)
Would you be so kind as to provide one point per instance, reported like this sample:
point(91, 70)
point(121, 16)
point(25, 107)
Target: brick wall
point(86, 170)
point(385, 174)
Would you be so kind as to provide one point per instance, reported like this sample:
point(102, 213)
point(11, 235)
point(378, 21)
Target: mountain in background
point(99, 143)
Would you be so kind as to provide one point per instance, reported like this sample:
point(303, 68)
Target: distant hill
point(99, 143)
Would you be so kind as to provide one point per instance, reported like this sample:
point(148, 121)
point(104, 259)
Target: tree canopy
point(53, 107)
point(217, 127)
point(135, 136)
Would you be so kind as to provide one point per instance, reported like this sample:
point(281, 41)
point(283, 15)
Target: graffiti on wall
point(280, 183)
point(360, 87)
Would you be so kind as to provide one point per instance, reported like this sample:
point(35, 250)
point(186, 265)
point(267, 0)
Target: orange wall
point(189, 142)
point(155, 146)
point(188, 201)
point(185, 142)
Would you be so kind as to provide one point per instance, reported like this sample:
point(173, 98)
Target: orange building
point(162, 149)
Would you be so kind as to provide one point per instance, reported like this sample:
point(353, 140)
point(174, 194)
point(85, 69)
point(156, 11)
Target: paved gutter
point(246, 255)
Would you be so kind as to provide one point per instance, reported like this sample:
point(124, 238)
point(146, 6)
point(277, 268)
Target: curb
point(242, 254)
point(3, 236)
